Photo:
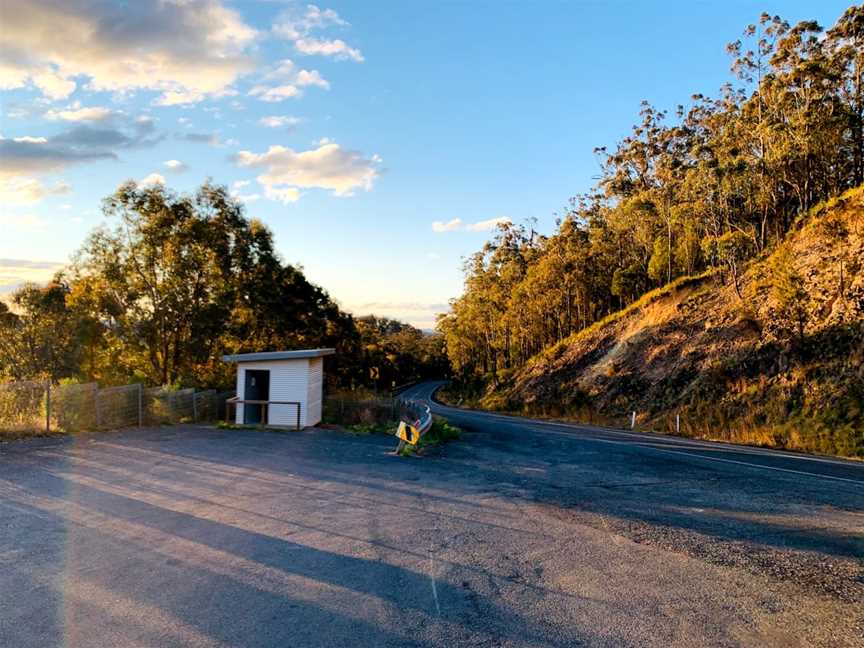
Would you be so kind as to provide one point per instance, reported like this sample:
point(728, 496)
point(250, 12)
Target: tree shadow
point(215, 604)
point(150, 596)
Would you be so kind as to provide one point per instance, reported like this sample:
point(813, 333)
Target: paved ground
point(521, 534)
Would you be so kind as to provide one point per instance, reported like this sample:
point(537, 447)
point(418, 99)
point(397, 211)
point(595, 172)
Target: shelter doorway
point(257, 387)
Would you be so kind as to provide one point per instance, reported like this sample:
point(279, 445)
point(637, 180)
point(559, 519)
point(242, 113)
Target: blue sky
point(379, 140)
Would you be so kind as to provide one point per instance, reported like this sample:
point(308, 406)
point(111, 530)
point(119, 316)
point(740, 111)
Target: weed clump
point(440, 433)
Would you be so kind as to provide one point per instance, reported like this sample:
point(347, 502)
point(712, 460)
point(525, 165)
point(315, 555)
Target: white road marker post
point(677, 424)
point(633, 420)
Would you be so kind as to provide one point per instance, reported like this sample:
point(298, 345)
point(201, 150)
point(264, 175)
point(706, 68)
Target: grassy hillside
point(780, 365)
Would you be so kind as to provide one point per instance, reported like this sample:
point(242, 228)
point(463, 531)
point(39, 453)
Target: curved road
point(744, 458)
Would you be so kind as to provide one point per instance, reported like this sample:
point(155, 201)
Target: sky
point(380, 141)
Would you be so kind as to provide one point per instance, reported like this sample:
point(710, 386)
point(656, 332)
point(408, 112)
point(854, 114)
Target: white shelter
point(291, 383)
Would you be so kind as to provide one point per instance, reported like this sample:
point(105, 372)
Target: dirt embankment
point(761, 368)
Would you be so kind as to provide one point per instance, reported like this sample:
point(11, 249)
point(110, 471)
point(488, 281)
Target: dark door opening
point(257, 388)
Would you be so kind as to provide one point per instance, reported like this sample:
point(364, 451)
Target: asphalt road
point(523, 533)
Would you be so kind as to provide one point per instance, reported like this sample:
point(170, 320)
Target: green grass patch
point(223, 425)
point(381, 427)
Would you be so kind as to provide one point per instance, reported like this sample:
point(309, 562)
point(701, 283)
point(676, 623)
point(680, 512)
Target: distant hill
point(781, 365)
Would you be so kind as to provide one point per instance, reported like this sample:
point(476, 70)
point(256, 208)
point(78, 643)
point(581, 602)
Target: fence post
point(140, 405)
point(96, 403)
point(48, 407)
point(194, 408)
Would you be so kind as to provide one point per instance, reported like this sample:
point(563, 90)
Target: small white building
point(291, 381)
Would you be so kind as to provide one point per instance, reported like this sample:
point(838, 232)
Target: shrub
point(441, 432)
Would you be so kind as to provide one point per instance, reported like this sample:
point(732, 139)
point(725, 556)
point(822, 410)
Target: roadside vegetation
point(714, 271)
point(225, 425)
point(440, 433)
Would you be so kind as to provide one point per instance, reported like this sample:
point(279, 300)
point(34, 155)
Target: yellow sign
point(374, 373)
point(408, 433)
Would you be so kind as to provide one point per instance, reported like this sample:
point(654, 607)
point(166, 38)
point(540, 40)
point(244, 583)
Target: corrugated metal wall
point(289, 381)
point(315, 390)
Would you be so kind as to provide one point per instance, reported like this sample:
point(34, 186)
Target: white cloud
point(337, 48)
point(327, 167)
point(179, 98)
point(279, 121)
point(53, 85)
point(185, 49)
point(415, 313)
point(81, 114)
point(18, 190)
point(282, 69)
point(300, 27)
point(152, 179)
point(456, 224)
point(289, 83)
point(488, 225)
point(312, 78)
point(276, 93)
point(292, 25)
point(237, 185)
point(16, 272)
point(175, 166)
point(282, 194)
point(449, 226)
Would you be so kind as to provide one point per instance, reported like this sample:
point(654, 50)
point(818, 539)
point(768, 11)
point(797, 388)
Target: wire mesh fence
point(346, 410)
point(118, 407)
point(34, 407)
point(164, 406)
point(349, 411)
point(72, 408)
